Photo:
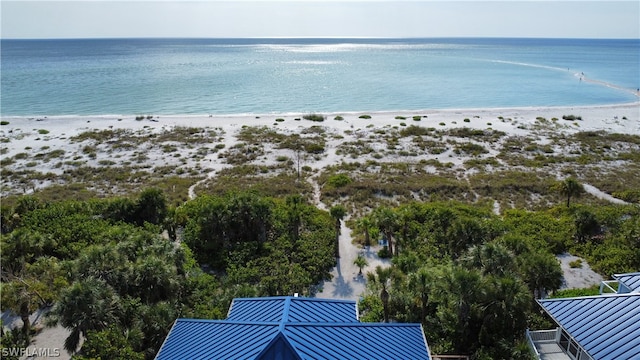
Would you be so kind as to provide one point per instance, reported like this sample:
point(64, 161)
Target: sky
point(328, 18)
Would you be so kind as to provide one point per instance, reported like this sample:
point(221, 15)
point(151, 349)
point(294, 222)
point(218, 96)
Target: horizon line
point(315, 37)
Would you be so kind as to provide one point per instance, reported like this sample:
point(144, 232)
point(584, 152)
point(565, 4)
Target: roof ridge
point(601, 296)
point(352, 324)
point(628, 274)
point(234, 322)
point(295, 298)
point(285, 314)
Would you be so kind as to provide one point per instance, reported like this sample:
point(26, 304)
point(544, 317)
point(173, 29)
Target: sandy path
point(346, 283)
point(601, 194)
point(577, 277)
point(47, 343)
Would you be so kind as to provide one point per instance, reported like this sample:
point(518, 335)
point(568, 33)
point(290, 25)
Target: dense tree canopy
point(116, 282)
point(471, 277)
point(116, 279)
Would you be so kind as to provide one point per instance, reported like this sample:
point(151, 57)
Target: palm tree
point(364, 224)
point(461, 292)
point(360, 262)
point(153, 278)
point(89, 304)
point(504, 313)
point(294, 214)
point(386, 220)
point(37, 285)
point(491, 258)
point(18, 297)
point(151, 207)
point(405, 217)
point(420, 283)
point(19, 248)
point(542, 273)
point(382, 277)
point(570, 187)
point(338, 212)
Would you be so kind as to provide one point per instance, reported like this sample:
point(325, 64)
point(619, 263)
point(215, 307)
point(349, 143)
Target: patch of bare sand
point(47, 343)
point(581, 277)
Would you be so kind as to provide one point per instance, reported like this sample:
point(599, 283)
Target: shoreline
point(334, 113)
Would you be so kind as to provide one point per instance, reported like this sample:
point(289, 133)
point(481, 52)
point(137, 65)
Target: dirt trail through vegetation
point(346, 282)
point(601, 194)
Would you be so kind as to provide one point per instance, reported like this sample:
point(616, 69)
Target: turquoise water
point(261, 76)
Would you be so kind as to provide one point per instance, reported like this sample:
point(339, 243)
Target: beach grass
point(451, 155)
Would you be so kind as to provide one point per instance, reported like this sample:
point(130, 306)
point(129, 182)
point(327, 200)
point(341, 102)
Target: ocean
point(267, 76)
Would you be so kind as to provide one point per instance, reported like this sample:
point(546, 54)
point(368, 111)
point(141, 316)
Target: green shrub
point(314, 117)
point(632, 196)
point(414, 130)
point(571, 117)
point(384, 253)
point(417, 118)
point(43, 131)
point(470, 148)
point(400, 117)
point(576, 264)
point(339, 180)
point(4, 122)
point(339, 118)
point(279, 119)
point(314, 148)
point(569, 293)
point(364, 116)
point(466, 120)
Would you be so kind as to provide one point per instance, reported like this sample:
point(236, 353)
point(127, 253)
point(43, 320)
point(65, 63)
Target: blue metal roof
point(210, 339)
point(297, 309)
point(630, 282)
point(322, 310)
point(292, 328)
point(605, 326)
point(260, 309)
point(358, 341)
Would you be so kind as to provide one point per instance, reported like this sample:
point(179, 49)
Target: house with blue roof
point(293, 328)
point(602, 327)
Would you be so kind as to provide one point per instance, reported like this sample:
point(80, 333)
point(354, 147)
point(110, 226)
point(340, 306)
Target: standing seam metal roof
point(606, 326)
point(357, 341)
point(299, 309)
point(274, 327)
point(631, 281)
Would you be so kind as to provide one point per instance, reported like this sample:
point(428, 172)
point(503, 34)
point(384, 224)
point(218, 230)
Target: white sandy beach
point(30, 135)
point(601, 117)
